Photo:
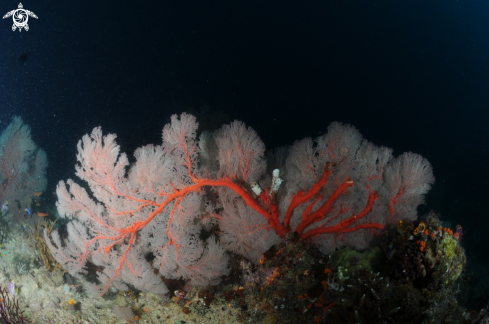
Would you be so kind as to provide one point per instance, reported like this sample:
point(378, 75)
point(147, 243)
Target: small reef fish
point(37, 194)
point(75, 287)
point(41, 214)
point(27, 212)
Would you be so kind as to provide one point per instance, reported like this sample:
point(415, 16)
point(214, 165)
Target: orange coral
point(329, 306)
point(271, 277)
point(321, 301)
point(422, 245)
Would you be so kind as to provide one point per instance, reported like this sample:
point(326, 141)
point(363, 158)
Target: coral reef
point(228, 251)
point(412, 277)
point(287, 284)
point(424, 253)
point(400, 281)
point(10, 312)
point(38, 241)
point(415, 283)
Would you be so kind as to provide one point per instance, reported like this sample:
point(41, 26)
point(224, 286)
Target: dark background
point(410, 75)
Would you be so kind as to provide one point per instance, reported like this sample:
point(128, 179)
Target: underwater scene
point(220, 162)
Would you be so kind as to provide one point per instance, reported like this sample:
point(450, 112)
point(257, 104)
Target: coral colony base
point(213, 230)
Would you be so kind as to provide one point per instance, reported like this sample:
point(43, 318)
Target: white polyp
point(256, 188)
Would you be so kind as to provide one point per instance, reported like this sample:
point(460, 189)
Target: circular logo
point(20, 18)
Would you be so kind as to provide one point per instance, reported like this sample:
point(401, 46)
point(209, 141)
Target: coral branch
point(161, 205)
